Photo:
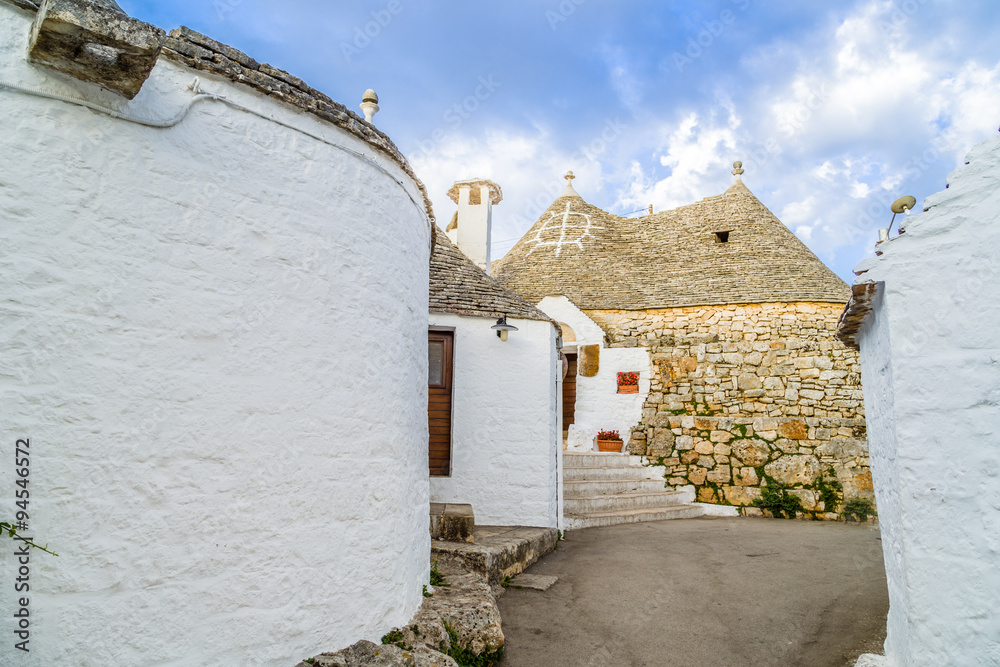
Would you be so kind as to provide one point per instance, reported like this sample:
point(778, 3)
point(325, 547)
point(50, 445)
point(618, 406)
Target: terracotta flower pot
point(628, 389)
point(609, 445)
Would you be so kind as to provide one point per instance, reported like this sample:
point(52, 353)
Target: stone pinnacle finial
point(369, 104)
point(737, 169)
point(569, 177)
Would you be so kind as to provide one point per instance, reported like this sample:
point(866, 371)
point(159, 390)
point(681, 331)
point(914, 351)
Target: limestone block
point(765, 424)
point(706, 494)
point(365, 653)
point(794, 470)
point(704, 447)
point(813, 394)
point(687, 421)
point(688, 458)
point(663, 438)
point(748, 381)
point(590, 360)
point(745, 477)
point(755, 512)
point(742, 495)
point(697, 475)
point(774, 383)
point(705, 423)
point(719, 475)
point(753, 359)
point(452, 522)
point(660, 419)
point(809, 498)
point(95, 41)
point(722, 449)
point(843, 448)
point(684, 442)
point(751, 452)
point(721, 436)
point(794, 429)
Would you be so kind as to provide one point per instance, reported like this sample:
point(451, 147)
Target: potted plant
point(609, 441)
point(628, 383)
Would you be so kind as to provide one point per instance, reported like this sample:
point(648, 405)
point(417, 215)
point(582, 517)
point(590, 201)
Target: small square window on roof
point(722, 237)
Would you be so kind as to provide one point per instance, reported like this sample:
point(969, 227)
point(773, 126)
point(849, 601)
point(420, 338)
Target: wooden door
point(569, 393)
point(440, 353)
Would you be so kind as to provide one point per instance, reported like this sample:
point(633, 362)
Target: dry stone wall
point(744, 397)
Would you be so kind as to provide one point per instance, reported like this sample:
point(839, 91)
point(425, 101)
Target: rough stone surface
point(669, 259)
point(364, 654)
point(452, 522)
point(95, 41)
point(749, 392)
point(499, 551)
point(467, 604)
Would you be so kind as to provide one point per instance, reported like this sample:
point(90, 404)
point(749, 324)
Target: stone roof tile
point(459, 286)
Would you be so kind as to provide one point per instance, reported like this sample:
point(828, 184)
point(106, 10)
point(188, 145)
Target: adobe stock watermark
point(225, 7)
point(364, 34)
point(455, 115)
point(707, 36)
point(589, 151)
point(562, 12)
point(900, 14)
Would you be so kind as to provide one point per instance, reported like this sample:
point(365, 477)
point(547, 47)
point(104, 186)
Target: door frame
point(447, 334)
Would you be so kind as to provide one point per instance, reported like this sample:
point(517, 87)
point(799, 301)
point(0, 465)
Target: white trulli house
point(213, 305)
point(926, 320)
point(494, 396)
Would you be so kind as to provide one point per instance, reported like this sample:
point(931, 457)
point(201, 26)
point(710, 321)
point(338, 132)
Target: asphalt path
point(705, 592)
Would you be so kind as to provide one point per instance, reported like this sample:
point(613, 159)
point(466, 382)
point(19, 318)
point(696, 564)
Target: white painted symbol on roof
point(573, 228)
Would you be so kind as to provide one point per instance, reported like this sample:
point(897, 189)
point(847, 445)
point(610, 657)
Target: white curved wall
point(215, 338)
point(931, 370)
point(599, 406)
point(506, 458)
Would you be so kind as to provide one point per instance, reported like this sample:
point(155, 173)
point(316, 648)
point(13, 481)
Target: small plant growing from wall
point(858, 509)
point(779, 502)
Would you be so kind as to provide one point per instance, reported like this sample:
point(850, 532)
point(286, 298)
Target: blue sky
point(835, 109)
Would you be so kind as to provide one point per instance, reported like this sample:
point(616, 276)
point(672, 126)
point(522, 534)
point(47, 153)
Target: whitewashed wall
point(215, 338)
point(930, 355)
point(506, 456)
point(599, 406)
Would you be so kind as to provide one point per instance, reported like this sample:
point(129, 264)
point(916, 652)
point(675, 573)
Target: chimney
point(471, 227)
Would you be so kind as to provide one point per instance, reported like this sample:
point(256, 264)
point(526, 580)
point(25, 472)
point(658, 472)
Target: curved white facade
point(214, 337)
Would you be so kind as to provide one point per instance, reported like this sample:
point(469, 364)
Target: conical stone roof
point(458, 286)
point(670, 259)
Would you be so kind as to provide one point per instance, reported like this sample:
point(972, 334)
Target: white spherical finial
point(369, 104)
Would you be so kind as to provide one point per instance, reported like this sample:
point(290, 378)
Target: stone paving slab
point(537, 582)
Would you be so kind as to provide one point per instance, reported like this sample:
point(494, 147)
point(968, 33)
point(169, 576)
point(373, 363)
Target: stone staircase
point(610, 489)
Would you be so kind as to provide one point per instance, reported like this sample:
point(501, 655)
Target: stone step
point(577, 521)
point(580, 474)
point(624, 501)
point(610, 487)
point(612, 460)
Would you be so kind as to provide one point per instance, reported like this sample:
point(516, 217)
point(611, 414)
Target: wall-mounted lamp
point(502, 328)
point(901, 205)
